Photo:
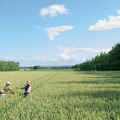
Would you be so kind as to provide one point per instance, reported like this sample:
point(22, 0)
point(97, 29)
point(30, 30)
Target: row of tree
point(38, 67)
point(9, 66)
point(104, 61)
point(51, 67)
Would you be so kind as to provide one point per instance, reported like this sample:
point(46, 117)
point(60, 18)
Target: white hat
point(2, 92)
point(28, 82)
point(8, 83)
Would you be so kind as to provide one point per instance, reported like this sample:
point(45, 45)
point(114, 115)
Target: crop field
point(62, 95)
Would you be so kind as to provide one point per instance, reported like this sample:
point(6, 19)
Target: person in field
point(7, 88)
point(2, 93)
point(27, 88)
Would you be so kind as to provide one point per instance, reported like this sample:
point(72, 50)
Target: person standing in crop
point(7, 88)
point(27, 89)
point(2, 93)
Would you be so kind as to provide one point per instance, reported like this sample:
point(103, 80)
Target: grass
point(58, 95)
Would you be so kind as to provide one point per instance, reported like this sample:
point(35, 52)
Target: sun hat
point(2, 92)
point(8, 83)
point(28, 82)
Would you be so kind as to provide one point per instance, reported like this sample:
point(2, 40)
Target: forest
point(9, 66)
point(102, 62)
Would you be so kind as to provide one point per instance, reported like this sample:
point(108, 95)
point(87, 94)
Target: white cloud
point(53, 10)
point(53, 59)
point(40, 59)
point(37, 27)
point(21, 58)
point(105, 50)
point(72, 49)
point(79, 54)
point(7, 58)
point(118, 11)
point(54, 31)
point(45, 59)
point(65, 56)
point(70, 57)
point(113, 22)
point(13, 58)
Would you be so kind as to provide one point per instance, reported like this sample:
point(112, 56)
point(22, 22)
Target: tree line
point(45, 67)
point(104, 61)
point(9, 66)
point(51, 67)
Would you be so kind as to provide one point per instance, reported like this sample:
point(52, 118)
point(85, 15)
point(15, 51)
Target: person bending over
point(7, 88)
point(27, 88)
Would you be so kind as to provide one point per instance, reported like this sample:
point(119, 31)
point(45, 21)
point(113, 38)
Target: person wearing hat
point(7, 88)
point(27, 88)
point(2, 93)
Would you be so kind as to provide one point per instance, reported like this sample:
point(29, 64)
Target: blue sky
point(57, 32)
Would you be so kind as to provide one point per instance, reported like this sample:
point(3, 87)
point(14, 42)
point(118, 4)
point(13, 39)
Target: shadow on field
point(109, 87)
point(102, 81)
point(100, 74)
point(109, 94)
point(105, 77)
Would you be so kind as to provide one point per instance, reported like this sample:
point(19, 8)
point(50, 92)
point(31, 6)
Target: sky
point(57, 32)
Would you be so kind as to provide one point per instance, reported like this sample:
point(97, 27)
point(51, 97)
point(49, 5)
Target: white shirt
point(29, 89)
point(1, 95)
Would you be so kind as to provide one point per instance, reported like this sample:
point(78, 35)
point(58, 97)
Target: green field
point(62, 95)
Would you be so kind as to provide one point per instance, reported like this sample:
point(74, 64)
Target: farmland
point(62, 95)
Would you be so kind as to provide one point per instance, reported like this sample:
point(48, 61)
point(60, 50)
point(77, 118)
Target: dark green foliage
point(51, 67)
point(76, 66)
point(37, 67)
point(60, 67)
point(9, 66)
point(109, 61)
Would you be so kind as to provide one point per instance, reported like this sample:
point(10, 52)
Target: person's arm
point(10, 89)
point(21, 88)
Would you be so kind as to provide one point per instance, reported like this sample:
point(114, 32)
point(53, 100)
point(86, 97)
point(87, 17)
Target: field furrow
point(58, 95)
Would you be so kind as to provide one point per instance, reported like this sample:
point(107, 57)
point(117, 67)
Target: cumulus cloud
point(79, 54)
point(72, 49)
point(113, 22)
point(65, 56)
point(54, 31)
point(118, 11)
point(69, 57)
point(53, 10)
